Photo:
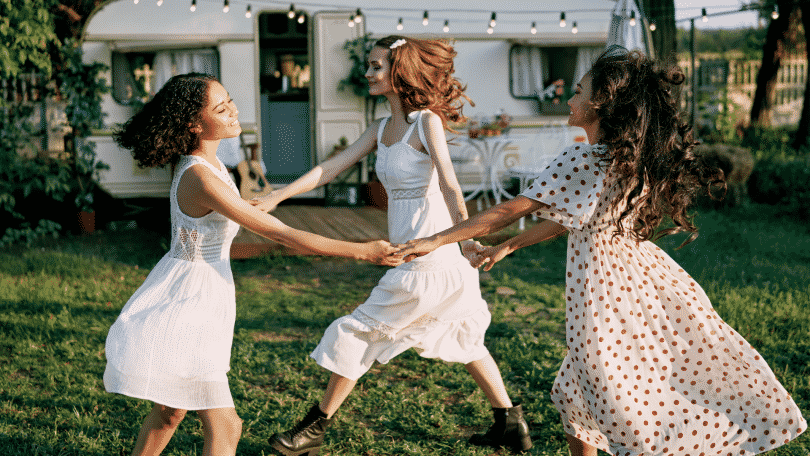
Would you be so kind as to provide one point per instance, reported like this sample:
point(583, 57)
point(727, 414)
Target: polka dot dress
point(651, 368)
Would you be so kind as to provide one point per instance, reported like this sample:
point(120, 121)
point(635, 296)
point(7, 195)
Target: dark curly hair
point(422, 76)
point(650, 149)
point(160, 132)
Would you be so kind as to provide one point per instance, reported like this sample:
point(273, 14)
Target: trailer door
point(336, 113)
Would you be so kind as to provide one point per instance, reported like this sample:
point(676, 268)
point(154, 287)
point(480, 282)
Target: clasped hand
point(476, 254)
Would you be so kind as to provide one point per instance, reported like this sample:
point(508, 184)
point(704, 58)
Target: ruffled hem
point(352, 343)
point(201, 393)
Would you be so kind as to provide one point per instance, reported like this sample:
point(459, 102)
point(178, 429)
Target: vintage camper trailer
point(283, 65)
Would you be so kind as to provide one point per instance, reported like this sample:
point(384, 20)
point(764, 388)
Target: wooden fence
point(739, 78)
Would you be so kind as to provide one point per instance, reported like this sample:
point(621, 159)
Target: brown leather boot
point(509, 431)
point(305, 438)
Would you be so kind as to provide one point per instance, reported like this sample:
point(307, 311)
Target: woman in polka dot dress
point(651, 368)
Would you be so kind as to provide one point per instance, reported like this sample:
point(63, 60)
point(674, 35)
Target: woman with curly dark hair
point(171, 344)
point(434, 304)
point(651, 369)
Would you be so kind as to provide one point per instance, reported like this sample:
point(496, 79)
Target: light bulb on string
point(159, 2)
point(632, 18)
point(351, 21)
point(703, 14)
point(652, 26)
point(248, 13)
point(399, 24)
point(358, 16)
point(490, 30)
point(301, 18)
point(492, 20)
point(775, 12)
point(533, 30)
point(562, 19)
point(574, 28)
point(446, 27)
point(425, 19)
point(291, 13)
point(193, 5)
point(226, 6)
point(135, 1)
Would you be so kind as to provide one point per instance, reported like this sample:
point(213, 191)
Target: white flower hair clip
point(397, 43)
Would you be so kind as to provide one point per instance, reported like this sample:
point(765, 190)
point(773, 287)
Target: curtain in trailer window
point(529, 71)
point(586, 55)
point(171, 63)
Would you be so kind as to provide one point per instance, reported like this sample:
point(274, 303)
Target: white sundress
point(433, 303)
point(651, 368)
point(171, 344)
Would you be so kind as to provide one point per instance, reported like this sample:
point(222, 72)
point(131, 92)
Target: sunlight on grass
point(58, 302)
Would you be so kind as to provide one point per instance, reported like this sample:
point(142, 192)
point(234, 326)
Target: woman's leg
point(337, 391)
point(488, 377)
point(222, 428)
point(157, 429)
point(579, 448)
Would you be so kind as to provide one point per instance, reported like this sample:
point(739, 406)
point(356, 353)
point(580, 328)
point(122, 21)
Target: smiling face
point(379, 72)
point(582, 113)
point(220, 118)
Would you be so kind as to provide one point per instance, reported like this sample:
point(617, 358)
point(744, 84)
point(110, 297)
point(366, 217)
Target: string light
point(775, 12)
point(159, 2)
point(652, 26)
point(399, 24)
point(291, 13)
point(226, 7)
point(446, 27)
point(492, 20)
point(193, 5)
point(490, 30)
point(358, 16)
point(301, 18)
point(703, 13)
point(136, 1)
point(574, 28)
point(248, 14)
point(351, 21)
point(533, 30)
point(425, 19)
point(632, 18)
point(562, 19)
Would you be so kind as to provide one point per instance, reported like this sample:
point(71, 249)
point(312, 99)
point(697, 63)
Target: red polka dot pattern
point(651, 368)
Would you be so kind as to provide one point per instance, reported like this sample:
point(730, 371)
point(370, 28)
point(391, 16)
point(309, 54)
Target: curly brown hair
point(160, 132)
point(650, 149)
point(422, 76)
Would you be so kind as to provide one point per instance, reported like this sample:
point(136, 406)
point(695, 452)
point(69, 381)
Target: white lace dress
point(432, 304)
point(171, 344)
point(651, 368)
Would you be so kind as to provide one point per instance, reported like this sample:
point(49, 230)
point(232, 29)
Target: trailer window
point(548, 74)
point(138, 75)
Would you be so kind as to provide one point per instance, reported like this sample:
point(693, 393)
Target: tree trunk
point(803, 132)
point(665, 35)
point(777, 42)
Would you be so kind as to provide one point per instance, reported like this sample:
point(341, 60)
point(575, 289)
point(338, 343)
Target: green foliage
point(57, 304)
point(26, 32)
point(744, 42)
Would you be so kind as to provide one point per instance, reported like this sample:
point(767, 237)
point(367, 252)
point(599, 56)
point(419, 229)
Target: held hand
point(417, 247)
point(490, 255)
point(470, 249)
point(382, 253)
point(265, 203)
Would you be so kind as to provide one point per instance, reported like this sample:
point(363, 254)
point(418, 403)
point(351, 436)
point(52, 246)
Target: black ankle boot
point(510, 431)
point(306, 437)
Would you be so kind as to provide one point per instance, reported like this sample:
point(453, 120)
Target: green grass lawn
point(58, 300)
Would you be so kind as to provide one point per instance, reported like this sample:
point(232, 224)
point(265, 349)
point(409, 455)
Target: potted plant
point(81, 87)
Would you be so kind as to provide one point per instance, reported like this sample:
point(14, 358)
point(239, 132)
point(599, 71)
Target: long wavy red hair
point(422, 76)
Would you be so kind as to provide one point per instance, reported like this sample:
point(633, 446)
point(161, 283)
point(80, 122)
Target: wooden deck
point(355, 224)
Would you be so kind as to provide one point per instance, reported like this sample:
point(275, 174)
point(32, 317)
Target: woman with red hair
point(432, 304)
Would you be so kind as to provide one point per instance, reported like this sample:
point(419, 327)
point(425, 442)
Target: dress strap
point(407, 134)
point(421, 131)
